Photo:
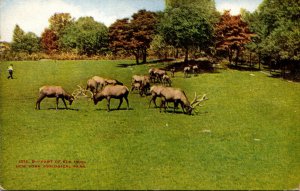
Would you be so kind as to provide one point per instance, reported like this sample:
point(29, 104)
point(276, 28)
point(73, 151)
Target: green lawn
point(245, 137)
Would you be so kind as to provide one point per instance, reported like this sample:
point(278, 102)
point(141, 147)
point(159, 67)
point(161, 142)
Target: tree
point(277, 25)
point(232, 34)
point(133, 36)
point(185, 28)
point(25, 42)
point(143, 24)
point(49, 41)
point(59, 21)
point(86, 36)
point(206, 8)
point(18, 35)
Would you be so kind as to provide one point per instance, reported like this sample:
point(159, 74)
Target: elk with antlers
point(178, 96)
point(53, 92)
point(116, 92)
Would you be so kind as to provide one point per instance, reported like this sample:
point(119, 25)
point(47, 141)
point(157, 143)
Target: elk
point(156, 74)
point(91, 85)
point(112, 82)
point(110, 91)
point(53, 92)
point(178, 96)
point(166, 80)
point(135, 86)
point(141, 83)
point(186, 71)
point(100, 82)
point(195, 69)
point(155, 92)
point(172, 70)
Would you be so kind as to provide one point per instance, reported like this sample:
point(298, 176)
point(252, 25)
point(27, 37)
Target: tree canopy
point(232, 34)
point(184, 27)
point(133, 36)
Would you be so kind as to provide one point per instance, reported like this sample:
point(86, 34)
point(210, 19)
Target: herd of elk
point(102, 88)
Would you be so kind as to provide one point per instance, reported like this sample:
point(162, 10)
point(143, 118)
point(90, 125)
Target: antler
point(82, 92)
point(197, 101)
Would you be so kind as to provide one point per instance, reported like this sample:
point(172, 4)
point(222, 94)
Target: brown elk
point(110, 91)
point(166, 80)
point(54, 92)
point(178, 96)
point(186, 71)
point(172, 70)
point(155, 92)
point(112, 82)
point(100, 82)
point(141, 83)
point(195, 69)
point(156, 74)
point(91, 85)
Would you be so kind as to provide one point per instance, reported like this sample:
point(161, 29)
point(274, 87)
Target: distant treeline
point(270, 35)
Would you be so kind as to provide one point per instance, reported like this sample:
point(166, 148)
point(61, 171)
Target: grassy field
point(245, 137)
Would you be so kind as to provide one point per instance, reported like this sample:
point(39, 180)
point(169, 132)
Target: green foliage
point(186, 28)
point(59, 21)
point(25, 42)
point(206, 8)
point(277, 24)
point(246, 137)
point(86, 36)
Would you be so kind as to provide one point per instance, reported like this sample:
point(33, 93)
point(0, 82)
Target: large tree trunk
point(237, 57)
point(144, 56)
point(137, 55)
point(230, 55)
point(186, 57)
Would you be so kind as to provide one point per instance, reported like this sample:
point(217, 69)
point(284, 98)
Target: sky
point(33, 15)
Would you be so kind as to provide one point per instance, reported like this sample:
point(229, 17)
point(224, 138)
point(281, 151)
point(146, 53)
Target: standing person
point(10, 71)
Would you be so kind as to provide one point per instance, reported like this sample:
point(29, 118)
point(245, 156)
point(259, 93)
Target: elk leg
point(38, 102)
point(153, 99)
point(175, 105)
point(163, 104)
point(182, 106)
point(65, 103)
point(126, 99)
point(108, 104)
point(57, 102)
point(121, 101)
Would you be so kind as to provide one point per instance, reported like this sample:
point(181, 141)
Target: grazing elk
point(53, 92)
point(91, 85)
point(100, 82)
point(155, 92)
point(110, 91)
point(141, 83)
point(195, 69)
point(172, 70)
point(186, 71)
point(156, 74)
point(112, 82)
point(166, 80)
point(177, 96)
point(136, 86)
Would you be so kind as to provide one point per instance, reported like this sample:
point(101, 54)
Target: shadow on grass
point(242, 68)
point(115, 109)
point(204, 66)
point(140, 64)
point(71, 109)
